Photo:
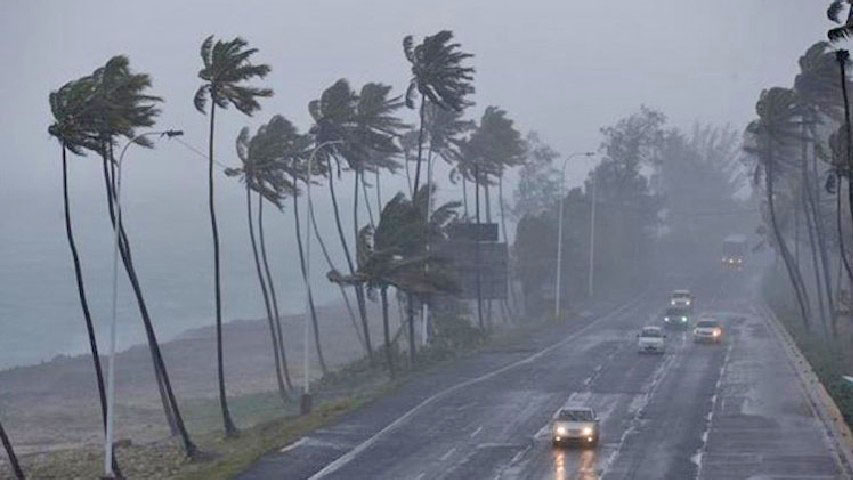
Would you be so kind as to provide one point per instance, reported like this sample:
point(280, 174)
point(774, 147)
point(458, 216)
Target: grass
point(830, 358)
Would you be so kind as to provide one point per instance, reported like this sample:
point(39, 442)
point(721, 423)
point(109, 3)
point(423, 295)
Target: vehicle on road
point(676, 317)
point(575, 425)
point(682, 298)
point(708, 331)
point(734, 252)
point(651, 340)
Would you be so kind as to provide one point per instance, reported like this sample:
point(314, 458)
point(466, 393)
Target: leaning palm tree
point(10, 452)
point(775, 133)
point(120, 104)
point(69, 107)
point(254, 173)
point(226, 68)
point(439, 76)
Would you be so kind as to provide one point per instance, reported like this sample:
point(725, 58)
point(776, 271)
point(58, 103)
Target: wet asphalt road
point(729, 411)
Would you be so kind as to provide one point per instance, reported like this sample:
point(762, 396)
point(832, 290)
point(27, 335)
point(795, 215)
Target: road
point(730, 411)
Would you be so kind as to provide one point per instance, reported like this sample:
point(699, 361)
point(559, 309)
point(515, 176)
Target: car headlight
point(587, 431)
point(665, 319)
point(683, 319)
point(716, 332)
point(688, 302)
point(672, 302)
point(561, 430)
point(739, 260)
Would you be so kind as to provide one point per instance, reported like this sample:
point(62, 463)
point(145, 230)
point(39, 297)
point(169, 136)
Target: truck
point(734, 252)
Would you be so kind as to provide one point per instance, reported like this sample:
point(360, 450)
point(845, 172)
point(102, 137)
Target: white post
point(425, 305)
point(592, 236)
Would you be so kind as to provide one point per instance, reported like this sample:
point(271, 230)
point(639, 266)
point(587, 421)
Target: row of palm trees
point(801, 143)
point(355, 131)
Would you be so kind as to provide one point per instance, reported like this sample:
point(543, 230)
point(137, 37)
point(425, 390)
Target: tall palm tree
point(226, 68)
point(254, 173)
point(838, 146)
point(439, 76)
point(68, 106)
point(120, 105)
point(817, 91)
point(10, 452)
point(775, 132)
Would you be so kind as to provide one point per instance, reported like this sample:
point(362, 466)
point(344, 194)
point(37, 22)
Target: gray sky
point(562, 67)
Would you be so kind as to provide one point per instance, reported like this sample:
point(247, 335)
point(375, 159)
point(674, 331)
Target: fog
point(565, 69)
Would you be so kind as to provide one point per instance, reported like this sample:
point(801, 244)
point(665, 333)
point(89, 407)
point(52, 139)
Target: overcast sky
point(561, 67)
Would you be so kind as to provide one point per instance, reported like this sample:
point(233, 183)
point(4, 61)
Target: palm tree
point(775, 131)
point(10, 452)
point(254, 154)
point(68, 106)
point(439, 76)
point(226, 68)
point(834, 13)
point(118, 106)
point(838, 146)
point(817, 91)
point(393, 254)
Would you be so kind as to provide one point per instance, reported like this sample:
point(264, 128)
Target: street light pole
point(305, 401)
point(560, 230)
point(108, 434)
point(592, 234)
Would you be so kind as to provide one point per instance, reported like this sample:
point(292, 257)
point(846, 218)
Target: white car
point(708, 330)
point(651, 340)
point(681, 298)
point(577, 425)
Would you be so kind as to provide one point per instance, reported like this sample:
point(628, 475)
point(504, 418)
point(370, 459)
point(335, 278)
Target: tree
point(539, 181)
point(10, 452)
point(773, 134)
point(439, 76)
point(257, 155)
point(69, 106)
point(226, 68)
point(119, 105)
point(834, 13)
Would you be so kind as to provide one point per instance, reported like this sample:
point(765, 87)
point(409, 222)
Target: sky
point(564, 68)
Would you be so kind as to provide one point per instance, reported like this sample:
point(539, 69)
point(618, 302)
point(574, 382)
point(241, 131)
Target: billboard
point(462, 257)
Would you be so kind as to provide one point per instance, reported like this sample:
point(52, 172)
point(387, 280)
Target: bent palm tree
point(439, 76)
point(226, 68)
point(254, 174)
point(10, 452)
point(775, 131)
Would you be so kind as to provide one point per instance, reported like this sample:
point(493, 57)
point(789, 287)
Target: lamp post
point(305, 401)
point(592, 233)
point(560, 229)
point(108, 437)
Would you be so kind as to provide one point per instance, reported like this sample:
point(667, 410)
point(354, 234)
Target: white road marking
point(700, 452)
point(344, 459)
point(477, 431)
point(294, 444)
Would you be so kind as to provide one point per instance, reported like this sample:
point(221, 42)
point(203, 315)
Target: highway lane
point(697, 411)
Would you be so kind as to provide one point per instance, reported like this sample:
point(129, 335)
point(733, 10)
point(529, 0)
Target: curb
point(836, 430)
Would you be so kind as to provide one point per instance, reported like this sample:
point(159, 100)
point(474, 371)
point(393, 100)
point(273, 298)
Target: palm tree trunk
point(230, 428)
point(510, 299)
point(386, 330)
point(84, 302)
point(410, 313)
point(378, 194)
point(273, 295)
point(488, 220)
point(332, 267)
point(820, 234)
point(367, 202)
point(477, 248)
point(275, 347)
point(420, 148)
point(127, 262)
point(839, 229)
point(849, 134)
point(811, 228)
point(464, 197)
point(359, 291)
point(10, 452)
point(302, 267)
point(408, 173)
point(783, 248)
